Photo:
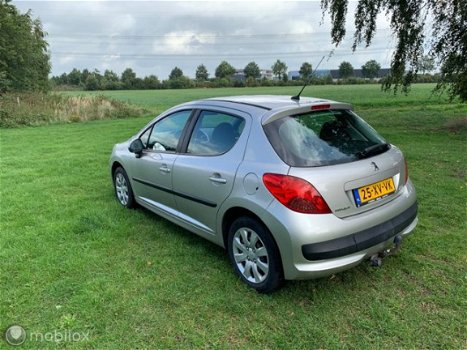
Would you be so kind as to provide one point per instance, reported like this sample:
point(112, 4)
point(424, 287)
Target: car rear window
point(323, 138)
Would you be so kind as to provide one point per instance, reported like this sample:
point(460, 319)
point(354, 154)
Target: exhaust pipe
point(397, 246)
point(376, 260)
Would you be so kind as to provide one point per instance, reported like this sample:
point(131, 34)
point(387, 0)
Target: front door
point(152, 172)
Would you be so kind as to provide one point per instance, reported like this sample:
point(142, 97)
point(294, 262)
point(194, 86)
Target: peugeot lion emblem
point(376, 167)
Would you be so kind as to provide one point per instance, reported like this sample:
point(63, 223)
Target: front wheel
point(123, 190)
point(254, 255)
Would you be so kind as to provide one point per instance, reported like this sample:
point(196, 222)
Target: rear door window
point(215, 133)
point(323, 138)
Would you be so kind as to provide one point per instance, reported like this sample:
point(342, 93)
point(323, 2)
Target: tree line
point(128, 80)
point(223, 77)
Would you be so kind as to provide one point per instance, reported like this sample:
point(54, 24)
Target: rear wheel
point(123, 190)
point(254, 255)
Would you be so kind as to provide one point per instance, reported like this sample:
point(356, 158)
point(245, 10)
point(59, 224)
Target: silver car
point(292, 189)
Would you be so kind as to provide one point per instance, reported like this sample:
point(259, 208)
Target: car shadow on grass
point(187, 237)
point(355, 279)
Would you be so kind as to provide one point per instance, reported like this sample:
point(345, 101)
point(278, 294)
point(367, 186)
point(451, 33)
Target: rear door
point(203, 176)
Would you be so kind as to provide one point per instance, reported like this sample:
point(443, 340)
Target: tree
point(110, 80)
point(128, 78)
point(61, 80)
point(224, 70)
point(84, 75)
point(24, 59)
point(279, 69)
point(151, 82)
point(98, 75)
point(138, 84)
point(426, 64)
point(91, 83)
point(175, 73)
point(74, 77)
point(447, 39)
point(345, 70)
point(4, 82)
point(202, 73)
point(252, 70)
point(305, 70)
point(251, 82)
point(371, 69)
point(182, 82)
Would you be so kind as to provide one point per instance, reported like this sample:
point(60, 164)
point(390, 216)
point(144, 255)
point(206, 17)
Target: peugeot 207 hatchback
point(292, 189)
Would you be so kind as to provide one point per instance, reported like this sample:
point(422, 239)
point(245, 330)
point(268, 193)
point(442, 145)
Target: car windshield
point(323, 138)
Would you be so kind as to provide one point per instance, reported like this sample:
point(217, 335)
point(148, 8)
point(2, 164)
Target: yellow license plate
point(373, 192)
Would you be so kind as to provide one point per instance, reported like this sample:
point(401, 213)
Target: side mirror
point(136, 147)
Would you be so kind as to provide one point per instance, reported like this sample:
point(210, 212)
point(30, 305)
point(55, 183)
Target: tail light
point(406, 171)
point(296, 194)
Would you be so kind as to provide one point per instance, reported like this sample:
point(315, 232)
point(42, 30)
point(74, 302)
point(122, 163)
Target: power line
point(204, 55)
point(96, 41)
point(170, 35)
point(189, 35)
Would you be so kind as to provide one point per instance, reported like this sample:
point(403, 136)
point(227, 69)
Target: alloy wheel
point(121, 188)
point(251, 255)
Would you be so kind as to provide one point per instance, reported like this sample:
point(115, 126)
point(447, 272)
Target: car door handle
point(164, 169)
point(218, 179)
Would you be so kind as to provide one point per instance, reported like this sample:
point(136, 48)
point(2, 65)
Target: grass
point(362, 96)
point(36, 109)
point(73, 260)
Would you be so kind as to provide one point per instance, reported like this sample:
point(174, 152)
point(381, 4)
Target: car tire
point(254, 255)
point(122, 188)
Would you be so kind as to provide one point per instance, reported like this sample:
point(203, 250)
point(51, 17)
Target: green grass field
point(71, 259)
point(360, 95)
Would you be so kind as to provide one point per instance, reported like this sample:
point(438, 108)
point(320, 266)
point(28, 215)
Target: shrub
point(238, 83)
point(251, 82)
point(36, 108)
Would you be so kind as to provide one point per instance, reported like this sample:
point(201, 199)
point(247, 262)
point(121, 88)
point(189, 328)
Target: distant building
point(293, 75)
point(266, 74)
point(239, 74)
point(335, 75)
point(357, 73)
point(320, 73)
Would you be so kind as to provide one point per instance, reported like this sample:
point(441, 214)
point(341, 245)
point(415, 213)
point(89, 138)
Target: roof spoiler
point(321, 106)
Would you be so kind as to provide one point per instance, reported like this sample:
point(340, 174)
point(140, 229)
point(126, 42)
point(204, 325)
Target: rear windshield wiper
point(373, 150)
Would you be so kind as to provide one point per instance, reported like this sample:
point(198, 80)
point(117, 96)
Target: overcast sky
point(152, 37)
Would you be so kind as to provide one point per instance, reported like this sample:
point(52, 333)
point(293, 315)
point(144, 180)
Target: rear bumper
point(362, 240)
point(314, 246)
point(322, 268)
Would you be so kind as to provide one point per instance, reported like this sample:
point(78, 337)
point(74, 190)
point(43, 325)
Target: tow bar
point(376, 260)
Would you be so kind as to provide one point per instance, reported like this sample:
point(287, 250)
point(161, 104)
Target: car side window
point(215, 133)
point(166, 133)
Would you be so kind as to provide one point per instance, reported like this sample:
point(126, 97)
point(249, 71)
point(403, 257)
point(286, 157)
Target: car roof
point(269, 107)
point(270, 102)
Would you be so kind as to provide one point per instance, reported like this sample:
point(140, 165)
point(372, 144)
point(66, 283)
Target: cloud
point(123, 23)
point(66, 60)
point(183, 42)
point(154, 36)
